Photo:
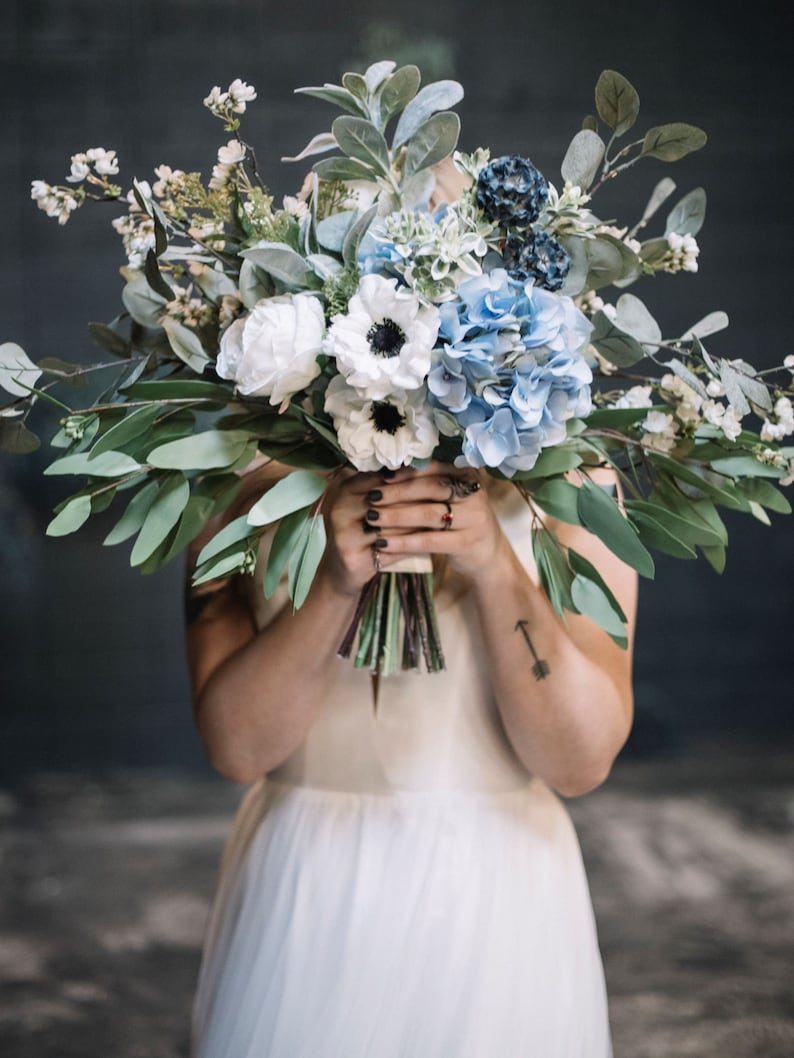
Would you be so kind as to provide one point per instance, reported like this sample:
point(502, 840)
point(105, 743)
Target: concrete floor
point(104, 889)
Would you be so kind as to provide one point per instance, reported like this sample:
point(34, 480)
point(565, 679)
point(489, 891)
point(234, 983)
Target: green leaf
point(202, 451)
point(161, 517)
point(613, 343)
point(686, 375)
point(634, 319)
point(305, 560)
point(356, 85)
point(136, 422)
point(109, 340)
point(340, 97)
point(222, 566)
point(433, 141)
point(141, 302)
point(282, 263)
point(609, 260)
point(325, 141)
point(582, 159)
point(756, 490)
point(715, 556)
point(133, 517)
point(590, 121)
point(553, 571)
point(154, 277)
point(654, 534)
point(15, 437)
point(616, 418)
point(687, 216)
point(343, 169)
point(758, 512)
point(359, 139)
point(71, 517)
point(602, 516)
point(332, 231)
point(254, 284)
point(746, 466)
point(440, 95)
point(659, 196)
point(590, 600)
point(398, 92)
point(710, 324)
point(298, 489)
point(355, 233)
point(550, 462)
point(685, 526)
point(671, 142)
point(288, 535)
point(17, 371)
point(691, 476)
point(585, 568)
point(617, 101)
point(106, 465)
point(158, 389)
point(377, 73)
point(560, 500)
point(235, 532)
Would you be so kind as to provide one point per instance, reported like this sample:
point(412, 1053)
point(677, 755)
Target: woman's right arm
point(257, 693)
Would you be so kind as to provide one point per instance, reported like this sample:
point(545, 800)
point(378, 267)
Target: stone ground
point(104, 888)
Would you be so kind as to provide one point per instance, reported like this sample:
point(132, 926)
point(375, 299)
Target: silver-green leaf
point(582, 159)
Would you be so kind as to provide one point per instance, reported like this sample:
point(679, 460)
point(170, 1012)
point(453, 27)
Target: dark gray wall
point(92, 672)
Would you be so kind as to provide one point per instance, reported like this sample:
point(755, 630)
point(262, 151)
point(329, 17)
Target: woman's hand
point(375, 519)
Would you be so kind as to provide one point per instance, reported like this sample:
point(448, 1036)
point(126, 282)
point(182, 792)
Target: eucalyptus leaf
point(439, 95)
point(161, 517)
point(215, 284)
point(234, 532)
point(659, 196)
point(16, 438)
point(710, 324)
point(287, 536)
point(137, 422)
point(360, 140)
point(141, 302)
point(746, 466)
point(305, 560)
point(154, 277)
point(655, 534)
point(331, 93)
point(609, 259)
point(734, 391)
point(602, 516)
point(17, 371)
point(583, 158)
point(653, 251)
point(616, 418)
point(106, 465)
point(555, 460)
point(398, 91)
point(109, 339)
point(554, 572)
point(254, 284)
point(715, 556)
point(759, 513)
point(355, 233)
point(757, 490)
point(671, 142)
point(617, 101)
point(223, 566)
point(613, 343)
point(133, 517)
point(576, 279)
point(298, 489)
point(74, 514)
point(585, 568)
point(201, 451)
point(559, 499)
point(165, 389)
point(343, 169)
point(589, 600)
point(433, 141)
point(687, 376)
point(634, 318)
point(689, 475)
point(687, 216)
point(325, 141)
point(282, 263)
point(331, 232)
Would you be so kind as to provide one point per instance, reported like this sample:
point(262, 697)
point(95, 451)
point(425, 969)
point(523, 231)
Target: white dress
point(401, 887)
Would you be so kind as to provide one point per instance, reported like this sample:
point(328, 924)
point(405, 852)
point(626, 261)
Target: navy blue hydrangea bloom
point(540, 257)
point(511, 192)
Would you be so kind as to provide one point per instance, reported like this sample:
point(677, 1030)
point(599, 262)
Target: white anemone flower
point(376, 433)
point(385, 340)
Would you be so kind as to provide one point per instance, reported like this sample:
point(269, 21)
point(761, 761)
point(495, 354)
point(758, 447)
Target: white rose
point(272, 352)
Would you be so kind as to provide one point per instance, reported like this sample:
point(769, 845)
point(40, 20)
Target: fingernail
point(386, 473)
point(371, 528)
point(372, 516)
point(374, 495)
point(381, 543)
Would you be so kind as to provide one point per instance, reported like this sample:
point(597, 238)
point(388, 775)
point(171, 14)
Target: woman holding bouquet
point(402, 880)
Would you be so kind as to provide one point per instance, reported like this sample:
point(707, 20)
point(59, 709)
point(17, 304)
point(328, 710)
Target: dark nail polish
point(371, 528)
point(386, 473)
point(374, 495)
point(372, 516)
point(380, 543)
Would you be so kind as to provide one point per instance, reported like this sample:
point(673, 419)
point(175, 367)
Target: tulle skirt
point(401, 925)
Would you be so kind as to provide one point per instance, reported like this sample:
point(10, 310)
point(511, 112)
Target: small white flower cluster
point(659, 431)
point(232, 101)
point(590, 303)
point(104, 163)
point(636, 397)
point(688, 403)
point(724, 416)
point(296, 207)
point(229, 157)
point(137, 234)
point(564, 213)
point(471, 164)
point(774, 458)
point(192, 311)
point(682, 254)
point(621, 234)
point(783, 425)
point(788, 362)
point(55, 201)
point(169, 181)
point(691, 408)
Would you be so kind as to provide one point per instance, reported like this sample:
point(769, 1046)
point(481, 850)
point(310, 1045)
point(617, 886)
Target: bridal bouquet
point(357, 325)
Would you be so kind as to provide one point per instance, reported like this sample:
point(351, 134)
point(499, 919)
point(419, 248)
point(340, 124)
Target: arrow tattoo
point(540, 669)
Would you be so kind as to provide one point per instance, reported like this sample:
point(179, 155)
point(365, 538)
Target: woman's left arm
point(568, 717)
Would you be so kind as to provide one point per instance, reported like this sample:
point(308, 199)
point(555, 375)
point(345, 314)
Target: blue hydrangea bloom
point(511, 192)
point(540, 257)
point(378, 253)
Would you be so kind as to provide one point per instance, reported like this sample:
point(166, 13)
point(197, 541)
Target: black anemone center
point(387, 418)
point(386, 338)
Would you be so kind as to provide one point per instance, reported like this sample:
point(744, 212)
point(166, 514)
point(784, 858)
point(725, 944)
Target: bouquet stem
point(395, 621)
